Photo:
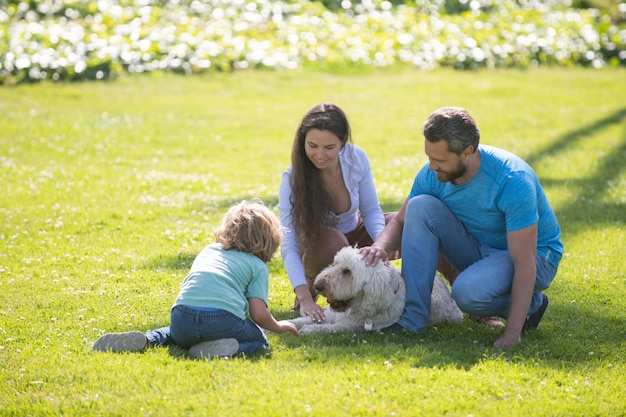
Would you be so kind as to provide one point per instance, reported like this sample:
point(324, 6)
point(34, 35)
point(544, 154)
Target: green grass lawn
point(109, 190)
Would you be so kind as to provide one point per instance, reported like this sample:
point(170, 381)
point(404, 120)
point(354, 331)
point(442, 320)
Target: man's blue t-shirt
point(504, 195)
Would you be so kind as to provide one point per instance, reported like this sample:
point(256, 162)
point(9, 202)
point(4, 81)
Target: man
point(482, 210)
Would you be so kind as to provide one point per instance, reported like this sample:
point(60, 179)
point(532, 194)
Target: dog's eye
point(345, 271)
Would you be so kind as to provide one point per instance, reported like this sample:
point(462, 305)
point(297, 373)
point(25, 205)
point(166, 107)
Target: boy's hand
point(287, 326)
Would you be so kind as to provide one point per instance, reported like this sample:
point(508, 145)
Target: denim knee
point(424, 206)
point(462, 296)
point(470, 299)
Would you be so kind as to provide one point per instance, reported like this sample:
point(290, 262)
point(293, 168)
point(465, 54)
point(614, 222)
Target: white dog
point(364, 298)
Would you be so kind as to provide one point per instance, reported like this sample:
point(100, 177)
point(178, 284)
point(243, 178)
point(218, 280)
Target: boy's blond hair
point(250, 227)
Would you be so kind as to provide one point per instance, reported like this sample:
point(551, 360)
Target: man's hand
point(506, 342)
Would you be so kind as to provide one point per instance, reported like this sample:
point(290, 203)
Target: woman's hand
point(310, 309)
point(373, 254)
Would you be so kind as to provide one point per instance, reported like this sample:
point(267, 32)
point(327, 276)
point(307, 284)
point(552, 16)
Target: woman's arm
point(290, 249)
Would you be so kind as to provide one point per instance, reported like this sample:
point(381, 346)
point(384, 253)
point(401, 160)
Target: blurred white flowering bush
point(97, 39)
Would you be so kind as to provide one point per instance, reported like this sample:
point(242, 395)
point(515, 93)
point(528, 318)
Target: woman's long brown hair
point(311, 202)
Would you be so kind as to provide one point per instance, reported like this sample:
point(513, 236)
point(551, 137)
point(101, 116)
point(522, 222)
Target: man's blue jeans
point(483, 286)
point(190, 325)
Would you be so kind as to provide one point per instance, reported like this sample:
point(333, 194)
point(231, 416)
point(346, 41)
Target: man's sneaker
point(533, 320)
point(215, 348)
point(121, 342)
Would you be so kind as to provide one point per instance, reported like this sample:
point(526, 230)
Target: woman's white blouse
point(358, 179)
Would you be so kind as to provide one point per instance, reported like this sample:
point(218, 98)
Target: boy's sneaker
point(121, 342)
point(215, 348)
point(533, 320)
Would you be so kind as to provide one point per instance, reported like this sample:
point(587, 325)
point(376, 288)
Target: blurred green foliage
point(99, 39)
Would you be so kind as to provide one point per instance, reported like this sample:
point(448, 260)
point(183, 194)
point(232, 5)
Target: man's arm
point(522, 245)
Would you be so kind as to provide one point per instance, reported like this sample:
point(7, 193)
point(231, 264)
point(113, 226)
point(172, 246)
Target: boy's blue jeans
point(483, 286)
point(190, 325)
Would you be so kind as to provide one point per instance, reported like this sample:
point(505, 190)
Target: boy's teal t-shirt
point(224, 279)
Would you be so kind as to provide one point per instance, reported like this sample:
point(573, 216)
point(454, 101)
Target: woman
point(327, 200)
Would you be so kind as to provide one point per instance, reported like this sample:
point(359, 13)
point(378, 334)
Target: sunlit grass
point(110, 189)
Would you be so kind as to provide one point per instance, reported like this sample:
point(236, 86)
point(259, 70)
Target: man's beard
point(452, 175)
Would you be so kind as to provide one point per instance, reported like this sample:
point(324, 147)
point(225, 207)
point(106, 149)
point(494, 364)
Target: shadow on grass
point(571, 138)
point(182, 354)
point(573, 334)
point(577, 216)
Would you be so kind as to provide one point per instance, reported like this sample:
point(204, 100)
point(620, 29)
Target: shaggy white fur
point(364, 298)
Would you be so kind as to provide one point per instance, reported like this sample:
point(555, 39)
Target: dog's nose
point(319, 286)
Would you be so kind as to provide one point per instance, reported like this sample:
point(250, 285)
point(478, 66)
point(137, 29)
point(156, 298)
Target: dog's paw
point(311, 329)
point(300, 321)
point(306, 329)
